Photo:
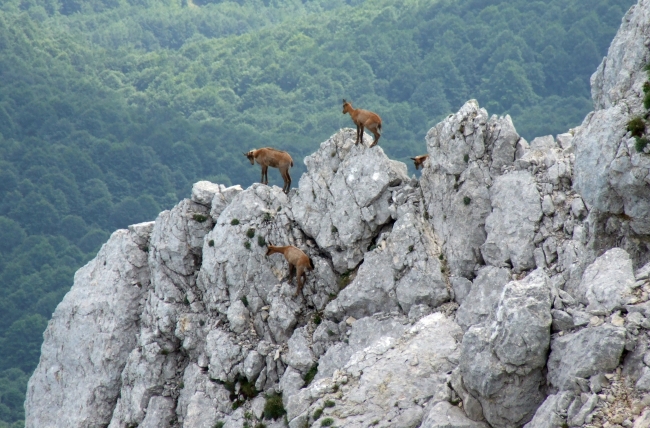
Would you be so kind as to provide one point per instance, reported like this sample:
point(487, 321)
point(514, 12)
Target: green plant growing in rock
point(334, 229)
point(636, 126)
point(244, 300)
point(248, 415)
point(219, 424)
point(273, 408)
point(640, 144)
point(345, 279)
point(467, 200)
point(310, 375)
point(211, 242)
point(466, 158)
point(267, 217)
point(260, 425)
point(234, 221)
point(200, 217)
point(261, 241)
point(317, 414)
point(317, 319)
point(329, 403)
point(327, 422)
point(247, 244)
point(250, 232)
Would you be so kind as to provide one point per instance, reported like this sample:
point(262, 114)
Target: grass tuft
point(636, 126)
point(261, 241)
point(234, 222)
point(273, 408)
point(327, 422)
point(211, 242)
point(467, 200)
point(641, 144)
point(250, 232)
point(310, 375)
point(200, 217)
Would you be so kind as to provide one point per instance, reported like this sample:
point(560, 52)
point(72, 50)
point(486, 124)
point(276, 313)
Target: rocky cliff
point(507, 287)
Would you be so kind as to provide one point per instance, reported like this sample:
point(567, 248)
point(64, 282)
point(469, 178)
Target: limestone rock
point(483, 298)
point(444, 415)
point(607, 283)
point(511, 226)
point(584, 353)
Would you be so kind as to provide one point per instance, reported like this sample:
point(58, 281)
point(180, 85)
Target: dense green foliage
point(111, 109)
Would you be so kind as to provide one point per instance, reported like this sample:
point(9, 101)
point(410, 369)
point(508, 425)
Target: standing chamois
point(419, 160)
point(267, 157)
point(297, 259)
point(364, 119)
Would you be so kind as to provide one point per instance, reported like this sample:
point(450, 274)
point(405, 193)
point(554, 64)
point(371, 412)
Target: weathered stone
point(511, 226)
point(238, 316)
point(549, 414)
point(583, 354)
point(483, 298)
point(607, 283)
point(444, 415)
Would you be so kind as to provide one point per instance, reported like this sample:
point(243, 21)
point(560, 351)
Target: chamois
point(297, 260)
point(267, 157)
point(419, 160)
point(364, 118)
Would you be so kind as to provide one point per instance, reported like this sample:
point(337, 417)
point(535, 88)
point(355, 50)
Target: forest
point(111, 109)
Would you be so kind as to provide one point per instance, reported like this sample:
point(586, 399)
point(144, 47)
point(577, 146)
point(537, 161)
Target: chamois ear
point(412, 158)
point(344, 101)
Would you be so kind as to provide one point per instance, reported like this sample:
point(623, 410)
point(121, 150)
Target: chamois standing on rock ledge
point(364, 118)
point(267, 157)
point(419, 160)
point(297, 260)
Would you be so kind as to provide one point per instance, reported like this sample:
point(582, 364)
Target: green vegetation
point(234, 221)
point(273, 408)
point(261, 241)
point(310, 375)
point(640, 144)
point(636, 126)
point(219, 424)
point(247, 244)
point(467, 200)
point(111, 109)
point(250, 232)
point(317, 319)
point(317, 414)
point(329, 403)
point(327, 422)
point(211, 243)
point(244, 300)
point(200, 217)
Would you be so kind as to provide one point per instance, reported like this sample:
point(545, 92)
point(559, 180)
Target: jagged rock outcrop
point(508, 287)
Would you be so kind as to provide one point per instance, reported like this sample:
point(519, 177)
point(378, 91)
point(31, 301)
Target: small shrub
point(267, 216)
point(641, 144)
point(248, 415)
point(317, 319)
point(279, 208)
point(441, 256)
point(330, 403)
point(247, 245)
point(246, 424)
point(334, 229)
point(345, 279)
point(327, 422)
point(145, 249)
point(330, 333)
point(260, 425)
point(261, 241)
point(164, 351)
point(201, 323)
point(181, 385)
point(372, 247)
point(250, 232)
point(310, 375)
point(466, 200)
point(273, 408)
point(186, 301)
point(211, 242)
point(219, 424)
point(410, 248)
point(335, 388)
point(462, 128)
point(466, 158)
point(244, 300)
point(332, 295)
point(234, 222)
point(636, 126)
point(317, 413)
point(200, 217)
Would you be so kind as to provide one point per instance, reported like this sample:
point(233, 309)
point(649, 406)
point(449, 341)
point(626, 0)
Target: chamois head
point(347, 107)
point(250, 157)
point(418, 161)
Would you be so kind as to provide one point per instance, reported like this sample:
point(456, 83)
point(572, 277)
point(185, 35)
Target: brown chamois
point(364, 119)
point(419, 160)
point(297, 260)
point(267, 157)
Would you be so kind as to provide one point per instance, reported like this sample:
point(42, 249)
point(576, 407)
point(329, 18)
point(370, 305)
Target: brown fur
point(297, 260)
point(419, 160)
point(267, 157)
point(364, 119)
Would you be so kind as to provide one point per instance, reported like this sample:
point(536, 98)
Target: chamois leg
point(361, 134)
point(287, 181)
point(301, 282)
point(374, 143)
point(291, 269)
point(265, 175)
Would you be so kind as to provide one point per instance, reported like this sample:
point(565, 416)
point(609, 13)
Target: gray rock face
point(96, 321)
point(610, 174)
point(511, 226)
point(484, 296)
point(444, 415)
point(466, 152)
point(549, 414)
point(584, 353)
point(345, 196)
point(402, 271)
point(501, 362)
point(607, 283)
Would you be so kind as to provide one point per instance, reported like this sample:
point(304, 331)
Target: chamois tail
point(291, 162)
point(379, 129)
